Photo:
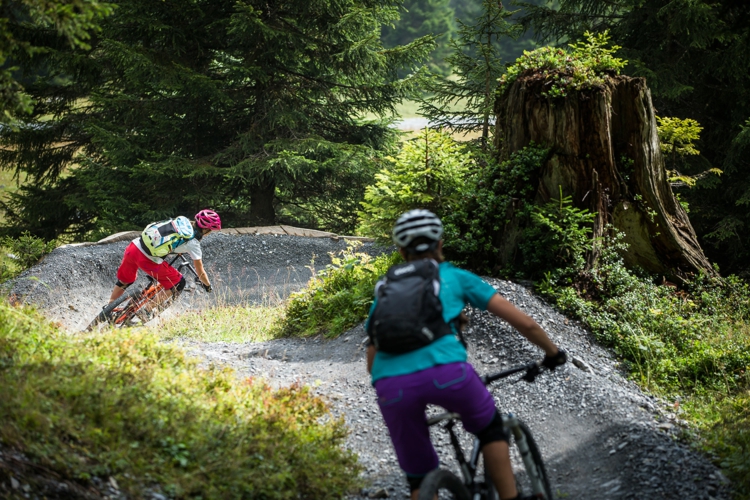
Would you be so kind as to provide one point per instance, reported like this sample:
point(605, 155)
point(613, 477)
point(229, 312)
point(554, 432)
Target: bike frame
point(154, 287)
point(468, 468)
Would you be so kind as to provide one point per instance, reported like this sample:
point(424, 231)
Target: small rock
point(113, 483)
point(582, 365)
point(379, 493)
point(14, 483)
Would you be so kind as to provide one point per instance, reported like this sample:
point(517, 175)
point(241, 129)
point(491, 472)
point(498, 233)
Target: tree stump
point(605, 154)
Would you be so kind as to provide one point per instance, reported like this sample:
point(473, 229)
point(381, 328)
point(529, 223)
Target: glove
point(552, 362)
point(207, 288)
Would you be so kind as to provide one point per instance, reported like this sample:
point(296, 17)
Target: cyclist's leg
point(460, 390)
point(403, 409)
point(168, 277)
point(126, 273)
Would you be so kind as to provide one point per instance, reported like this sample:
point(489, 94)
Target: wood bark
point(605, 154)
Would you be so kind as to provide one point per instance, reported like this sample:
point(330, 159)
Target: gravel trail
point(601, 437)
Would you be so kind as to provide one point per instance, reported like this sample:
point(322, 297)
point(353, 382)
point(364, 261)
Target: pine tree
point(420, 18)
point(186, 104)
point(465, 102)
point(71, 21)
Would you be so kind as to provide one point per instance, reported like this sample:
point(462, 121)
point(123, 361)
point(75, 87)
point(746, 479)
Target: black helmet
point(417, 224)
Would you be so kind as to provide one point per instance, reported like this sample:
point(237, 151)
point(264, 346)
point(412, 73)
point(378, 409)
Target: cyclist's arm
point(529, 328)
point(201, 272)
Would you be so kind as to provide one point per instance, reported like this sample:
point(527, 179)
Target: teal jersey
point(458, 288)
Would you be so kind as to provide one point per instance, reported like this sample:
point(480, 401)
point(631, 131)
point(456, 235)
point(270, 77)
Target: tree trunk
point(605, 154)
point(262, 212)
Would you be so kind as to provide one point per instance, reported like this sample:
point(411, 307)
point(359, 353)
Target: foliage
point(428, 172)
point(19, 254)
point(492, 200)
point(199, 103)
point(558, 238)
point(694, 343)
point(725, 430)
point(694, 57)
point(583, 65)
point(338, 297)
point(677, 138)
point(126, 405)
point(72, 21)
point(464, 102)
point(423, 18)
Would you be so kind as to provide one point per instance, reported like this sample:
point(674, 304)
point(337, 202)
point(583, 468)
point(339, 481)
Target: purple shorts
point(403, 399)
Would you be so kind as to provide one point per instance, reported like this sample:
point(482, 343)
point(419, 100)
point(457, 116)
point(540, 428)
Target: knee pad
point(495, 431)
point(122, 285)
point(414, 482)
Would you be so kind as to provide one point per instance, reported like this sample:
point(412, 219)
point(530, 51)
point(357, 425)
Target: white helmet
point(415, 224)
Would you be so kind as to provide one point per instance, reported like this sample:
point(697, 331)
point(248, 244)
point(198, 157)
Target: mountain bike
point(531, 481)
point(131, 307)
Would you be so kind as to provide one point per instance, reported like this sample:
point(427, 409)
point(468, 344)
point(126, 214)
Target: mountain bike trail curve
point(601, 437)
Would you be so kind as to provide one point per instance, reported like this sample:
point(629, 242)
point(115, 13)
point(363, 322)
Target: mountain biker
point(159, 239)
point(438, 373)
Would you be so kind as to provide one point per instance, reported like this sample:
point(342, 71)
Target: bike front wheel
point(531, 475)
point(117, 312)
point(443, 484)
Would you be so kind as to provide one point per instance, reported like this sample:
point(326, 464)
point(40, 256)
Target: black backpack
point(408, 314)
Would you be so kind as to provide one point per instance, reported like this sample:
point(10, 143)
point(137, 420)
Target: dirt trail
point(600, 435)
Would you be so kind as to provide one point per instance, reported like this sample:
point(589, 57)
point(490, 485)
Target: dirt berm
point(601, 437)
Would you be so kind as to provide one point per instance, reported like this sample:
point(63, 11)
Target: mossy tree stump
point(605, 154)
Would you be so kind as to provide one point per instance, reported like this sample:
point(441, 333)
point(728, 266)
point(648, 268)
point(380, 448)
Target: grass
point(226, 324)
point(123, 404)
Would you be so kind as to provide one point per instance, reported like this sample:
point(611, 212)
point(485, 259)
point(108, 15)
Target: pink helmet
point(208, 219)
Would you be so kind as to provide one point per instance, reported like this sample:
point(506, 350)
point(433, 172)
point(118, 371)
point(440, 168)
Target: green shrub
point(337, 298)
point(121, 403)
point(583, 65)
point(19, 254)
point(429, 172)
point(490, 199)
point(558, 238)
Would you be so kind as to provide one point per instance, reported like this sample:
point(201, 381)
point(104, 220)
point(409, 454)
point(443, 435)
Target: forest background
point(116, 114)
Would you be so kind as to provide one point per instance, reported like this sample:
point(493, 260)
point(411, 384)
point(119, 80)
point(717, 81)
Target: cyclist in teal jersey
point(438, 373)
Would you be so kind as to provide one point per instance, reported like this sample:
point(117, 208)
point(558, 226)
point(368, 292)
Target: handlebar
point(532, 370)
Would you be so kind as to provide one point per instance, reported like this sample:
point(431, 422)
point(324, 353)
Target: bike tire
point(443, 484)
point(524, 486)
point(106, 314)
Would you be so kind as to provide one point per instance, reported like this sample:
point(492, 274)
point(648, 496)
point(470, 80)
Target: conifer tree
point(421, 18)
point(186, 104)
point(465, 102)
point(70, 21)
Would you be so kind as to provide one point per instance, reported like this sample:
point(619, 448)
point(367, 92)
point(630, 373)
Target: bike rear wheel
point(524, 477)
point(443, 484)
point(117, 312)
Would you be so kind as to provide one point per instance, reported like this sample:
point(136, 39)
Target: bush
point(121, 403)
point(493, 197)
point(558, 238)
point(337, 298)
point(428, 173)
point(19, 254)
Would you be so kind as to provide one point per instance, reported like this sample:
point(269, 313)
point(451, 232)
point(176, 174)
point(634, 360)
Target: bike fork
point(511, 422)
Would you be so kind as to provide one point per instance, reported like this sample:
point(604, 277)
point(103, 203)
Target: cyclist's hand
point(207, 288)
point(552, 362)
